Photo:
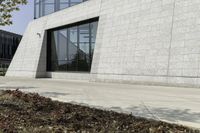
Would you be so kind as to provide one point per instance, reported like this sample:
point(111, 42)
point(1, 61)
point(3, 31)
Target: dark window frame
point(49, 46)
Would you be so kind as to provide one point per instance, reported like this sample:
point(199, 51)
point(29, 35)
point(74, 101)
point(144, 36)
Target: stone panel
point(144, 41)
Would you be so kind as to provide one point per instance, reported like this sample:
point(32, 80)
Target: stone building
point(134, 41)
point(8, 45)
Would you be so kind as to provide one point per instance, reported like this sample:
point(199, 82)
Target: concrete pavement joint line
point(148, 109)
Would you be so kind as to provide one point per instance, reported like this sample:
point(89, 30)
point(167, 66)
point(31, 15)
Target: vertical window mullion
point(39, 8)
point(34, 9)
point(43, 7)
point(48, 50)
point(58, 43)
point(56, 5)
point(69, 3)
point(78, 46)
point(68, 39)
point(90, 44)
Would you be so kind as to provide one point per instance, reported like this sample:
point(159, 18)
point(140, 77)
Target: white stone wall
point(139, 41)
point(185, 46)
point(26, 59)
point(30, 57)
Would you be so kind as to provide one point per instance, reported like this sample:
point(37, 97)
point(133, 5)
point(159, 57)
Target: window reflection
point(93, 37)
point(45, 7)
point(72, 48)
point(48, 6)
point(8, 45)
point(63, 4)
point(84, 47)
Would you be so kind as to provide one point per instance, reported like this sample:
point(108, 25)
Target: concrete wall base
point(68, 76)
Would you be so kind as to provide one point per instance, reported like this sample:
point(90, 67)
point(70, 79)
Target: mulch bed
point(31, 113)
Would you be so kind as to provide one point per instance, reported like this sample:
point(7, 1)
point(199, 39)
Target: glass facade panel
point(75, 2)
point(84, 47)
point(54, 51)
point(48, 6)
point(64, 4)
point(37, 10)
point(93, 36)
point(71, 49)
point(62, 47)
point(45, 7)
point(8, 45)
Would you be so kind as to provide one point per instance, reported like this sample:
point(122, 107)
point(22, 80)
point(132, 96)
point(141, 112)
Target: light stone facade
point(138, 41)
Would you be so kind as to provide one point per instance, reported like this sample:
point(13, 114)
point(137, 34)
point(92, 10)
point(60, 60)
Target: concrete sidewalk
point(171, 104)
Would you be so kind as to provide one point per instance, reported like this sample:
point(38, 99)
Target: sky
point(21, 18)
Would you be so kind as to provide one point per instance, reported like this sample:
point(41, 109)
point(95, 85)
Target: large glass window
point(71, 49)
point(45, 7)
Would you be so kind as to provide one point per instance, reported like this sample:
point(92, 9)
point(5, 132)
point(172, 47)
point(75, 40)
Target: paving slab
point(172, 104)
